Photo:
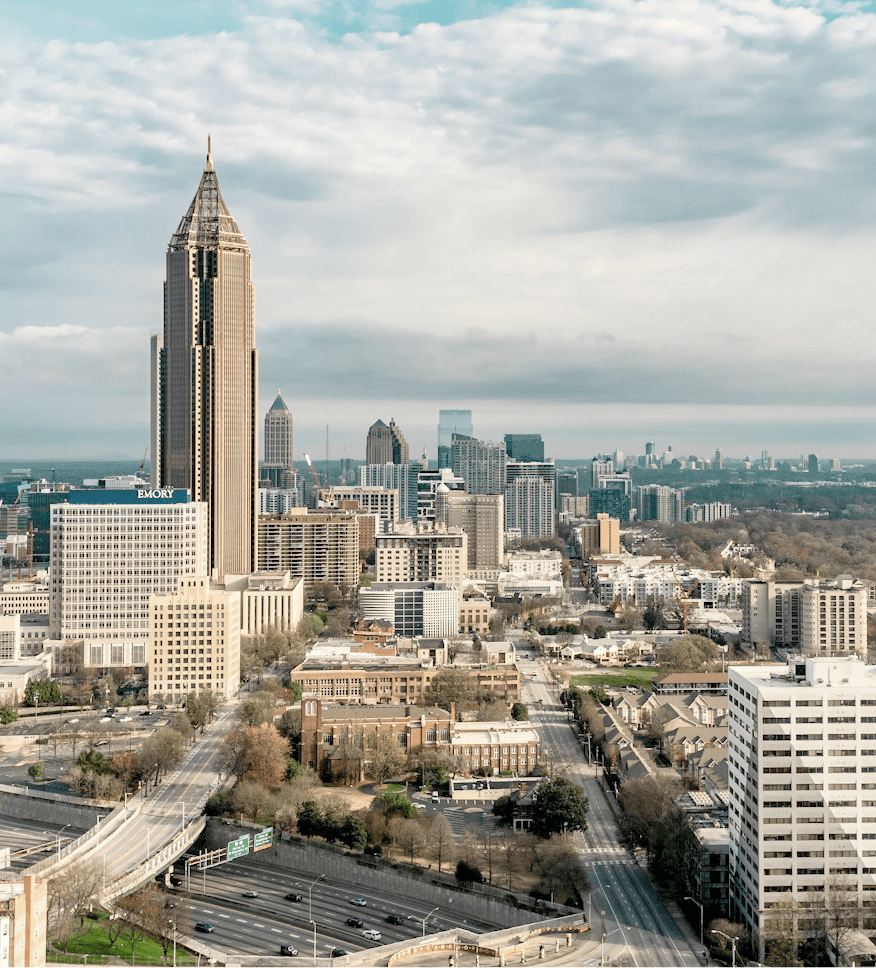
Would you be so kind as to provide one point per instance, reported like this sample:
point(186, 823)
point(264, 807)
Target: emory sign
point(166, 492)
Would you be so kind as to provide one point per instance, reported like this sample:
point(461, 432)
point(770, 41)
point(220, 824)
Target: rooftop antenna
point(326, 455)
point(209, 154)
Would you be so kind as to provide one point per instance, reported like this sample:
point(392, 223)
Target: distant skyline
point(606, 222)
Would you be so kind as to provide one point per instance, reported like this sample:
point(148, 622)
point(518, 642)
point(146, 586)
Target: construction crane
point(143, 462)
point(325, 494)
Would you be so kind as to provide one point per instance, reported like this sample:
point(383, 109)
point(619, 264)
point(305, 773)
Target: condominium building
point(429, 609)
point(380, 501)
point(107, 560)
point(422, 553)
point(600, 537)
point(270, 601)
point(802, 797)
point(479, 463)
point(715, 511)
point(428, 483)
point(205, 376)
point(279, 500)
point(658, 503)
point(315, 546)
point(530, 504)
point(816, 617)
point(402, 478)
point(481, 517)
point(194, 641)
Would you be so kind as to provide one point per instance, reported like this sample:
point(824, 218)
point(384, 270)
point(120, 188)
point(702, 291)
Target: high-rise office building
point(658, 503)
point(479, 463)
point(278, 436)
point(812, 465)
point(525, 447)
point(451, 422)
point(386, 444)
point(399, 477)
point(206, 378)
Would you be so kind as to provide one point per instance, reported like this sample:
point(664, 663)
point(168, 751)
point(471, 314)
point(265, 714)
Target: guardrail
point(108, 825)
point(133, 879)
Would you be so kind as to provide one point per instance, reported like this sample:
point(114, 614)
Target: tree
point(36, 771)
point(560, 871)
point(394, 803)
point(7, 715)
point(252, 799)
point(385, 759)
point(411, 837)
point(519, 711)
point(559, 806)
point(268, 755)
point(310, 819)
point(353, 833)
point(74, 889)
point(449, 687)
point(256, 709)
point(689, 653)
point(467, 873)
point(441, 840)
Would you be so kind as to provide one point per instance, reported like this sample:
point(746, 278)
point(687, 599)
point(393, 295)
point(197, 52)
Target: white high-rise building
point(106, 561)
point(802, 797)
point(422, 554)
point(530, 499)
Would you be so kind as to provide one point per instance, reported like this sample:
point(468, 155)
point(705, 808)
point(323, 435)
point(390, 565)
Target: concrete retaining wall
point(49, 808)
point(482, 901)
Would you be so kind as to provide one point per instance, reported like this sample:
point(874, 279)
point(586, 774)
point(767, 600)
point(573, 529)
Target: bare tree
point(442, 843)
point(74, 889)
point(386, 758)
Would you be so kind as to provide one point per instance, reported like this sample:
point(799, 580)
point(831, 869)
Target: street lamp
point(604, 937)
point(59, 838)
point(689, 898)
point(310, 905)
point(314, 942)
point(172, 923)
point(732, 941)
point(425, 919)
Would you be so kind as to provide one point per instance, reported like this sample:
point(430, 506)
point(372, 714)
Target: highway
point(180, 797)
point(259, 925)
point(625, 906)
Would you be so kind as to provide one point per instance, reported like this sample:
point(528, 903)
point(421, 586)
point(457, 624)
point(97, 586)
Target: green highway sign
point(238, 848)
point(264, 838)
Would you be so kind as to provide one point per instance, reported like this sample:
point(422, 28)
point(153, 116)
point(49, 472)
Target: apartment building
point(814, 617)
point(316, 546)
point(429, 609)
point(600, 537)
point(481, 517)
point(802, 794)
point(194, 641)
point(422, 553)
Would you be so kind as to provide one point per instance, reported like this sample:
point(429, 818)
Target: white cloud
point(666, 172)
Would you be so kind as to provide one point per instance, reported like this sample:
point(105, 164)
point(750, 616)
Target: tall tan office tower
point(207, 376)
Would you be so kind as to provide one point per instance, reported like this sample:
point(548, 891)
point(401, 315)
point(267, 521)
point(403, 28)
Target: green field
point(95, 943)
point(614, 678)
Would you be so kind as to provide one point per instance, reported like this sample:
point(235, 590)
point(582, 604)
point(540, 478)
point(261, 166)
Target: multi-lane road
point(624, 905)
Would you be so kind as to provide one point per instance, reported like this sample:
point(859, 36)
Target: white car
point(125, 719)
point(371, 935)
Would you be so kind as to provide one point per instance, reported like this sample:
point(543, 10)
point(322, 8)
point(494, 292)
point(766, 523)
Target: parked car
point(355, 922)
point(204, 927)
point(371, 935)
point(292, 896)
point(288, 949)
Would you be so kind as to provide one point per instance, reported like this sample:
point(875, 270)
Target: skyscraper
point(386, 444)
point(451, 422)
point(524, 447)
point(479, 463)
point(207, 375)
point(278, 435)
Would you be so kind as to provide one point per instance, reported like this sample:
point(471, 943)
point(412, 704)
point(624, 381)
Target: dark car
point(356, 922)
point(294, 897)
point(250, 893)
point(395, 919)
point(338, 953)
point(161, 706)
point(175, 881)
point(145, 713)
point(204, 927)
point(288, 949)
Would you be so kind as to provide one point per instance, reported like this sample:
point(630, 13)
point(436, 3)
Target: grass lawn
point(616, 677)
point(95, 943)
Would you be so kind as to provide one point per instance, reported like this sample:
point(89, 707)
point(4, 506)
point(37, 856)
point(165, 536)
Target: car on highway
point(145, 713)
point(356, 922)
point(371, 935)
point(204, 927)
point(288, 949)
point(292, 896)
point(250, 893)
point(358, 901)
point(125, 719)
point(395, 919)
point(338, 953)
point(105, 719)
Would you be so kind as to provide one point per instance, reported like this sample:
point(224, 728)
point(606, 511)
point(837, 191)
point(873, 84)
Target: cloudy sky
point(608, 221)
